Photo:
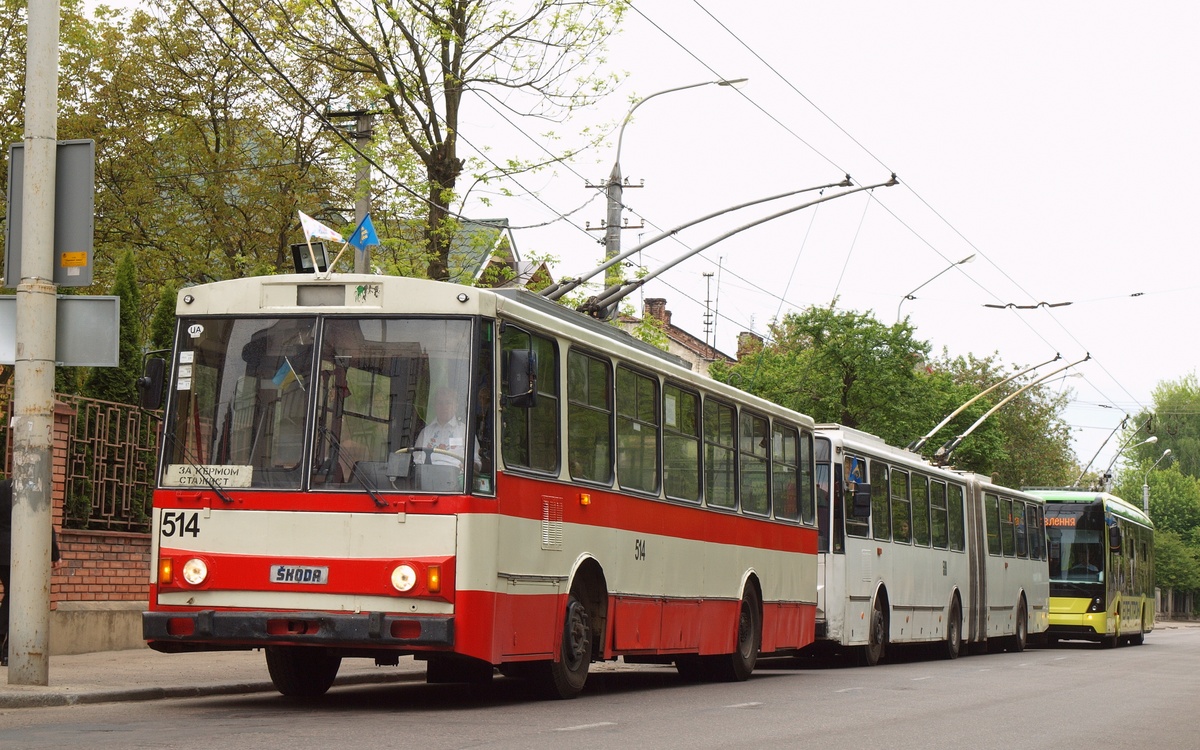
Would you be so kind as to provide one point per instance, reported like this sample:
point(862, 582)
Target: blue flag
point(364, 234)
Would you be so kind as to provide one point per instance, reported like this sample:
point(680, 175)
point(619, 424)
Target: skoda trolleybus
point(1101, 567)
point(914, 553)
point(367, 466)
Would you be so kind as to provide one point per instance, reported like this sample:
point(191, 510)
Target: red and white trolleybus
point(367, 466)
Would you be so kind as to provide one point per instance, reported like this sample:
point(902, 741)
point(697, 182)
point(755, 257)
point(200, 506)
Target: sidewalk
point(143, 674)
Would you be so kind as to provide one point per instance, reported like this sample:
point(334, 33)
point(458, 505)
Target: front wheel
point(739, 665)
point(302, 671)
point(877, 636)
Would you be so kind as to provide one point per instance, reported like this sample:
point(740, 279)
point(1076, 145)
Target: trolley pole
point(32, 427)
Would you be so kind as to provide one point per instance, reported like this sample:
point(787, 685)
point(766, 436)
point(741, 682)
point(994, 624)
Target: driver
point(447, 432)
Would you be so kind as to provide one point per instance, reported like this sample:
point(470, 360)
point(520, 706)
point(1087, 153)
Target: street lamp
point(1107, 472)
point(967, 259)
point(1146, 482)
point(613, 188)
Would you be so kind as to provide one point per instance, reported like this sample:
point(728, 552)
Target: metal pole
point(33, 387)
point(612, 226)
point(362, 203)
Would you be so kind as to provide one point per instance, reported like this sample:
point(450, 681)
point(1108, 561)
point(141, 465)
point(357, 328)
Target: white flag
point(314, 228)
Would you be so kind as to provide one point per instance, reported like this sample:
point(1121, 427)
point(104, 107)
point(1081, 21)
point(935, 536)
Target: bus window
point(880, 517)
point(920, 510)
point(855, 472)
point(991, 513)
point(807, 488)
point(825, 500)
point(786, 484)
point(589, 418)
point(1019, 527)
point(529, 434)
point(753, 462)
point(637, 431)
point(939, 519)
point(681, 444)
point(958, 536)
point(901, 508)
point(719, 444)
point(1007, 537)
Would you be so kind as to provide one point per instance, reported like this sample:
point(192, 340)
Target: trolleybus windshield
point(349, 403)
point(1076, 534)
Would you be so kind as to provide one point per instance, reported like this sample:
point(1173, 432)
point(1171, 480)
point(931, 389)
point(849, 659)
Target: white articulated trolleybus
point(367, 466)
point(914, 553)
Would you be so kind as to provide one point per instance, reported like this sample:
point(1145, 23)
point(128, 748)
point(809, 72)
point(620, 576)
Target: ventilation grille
point(552, 523)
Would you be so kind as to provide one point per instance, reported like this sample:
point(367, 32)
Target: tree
point(1175, 419)
point(849, 368)
point(417, 61)
point(119, 383)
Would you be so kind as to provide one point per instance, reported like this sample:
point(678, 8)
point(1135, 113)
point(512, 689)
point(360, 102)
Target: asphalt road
point(1075, 695)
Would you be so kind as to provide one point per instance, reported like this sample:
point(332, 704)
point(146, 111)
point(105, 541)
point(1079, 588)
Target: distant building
point(679, 342)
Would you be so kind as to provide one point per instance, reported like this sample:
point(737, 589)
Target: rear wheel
point(1020, 638)
point(564, 677)
point(739, 665)
point(1139, 638)
point(300, 671)
point(953, 645)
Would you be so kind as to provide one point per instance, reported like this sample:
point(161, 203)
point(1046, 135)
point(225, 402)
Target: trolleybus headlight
point(195, 571)
point(1097, 605)
point(404, 577)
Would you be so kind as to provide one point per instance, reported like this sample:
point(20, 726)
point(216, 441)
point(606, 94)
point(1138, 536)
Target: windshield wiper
point(199, 469)
point(355, 472)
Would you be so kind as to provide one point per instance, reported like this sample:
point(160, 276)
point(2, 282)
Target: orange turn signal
point(166, 571)
point(433, 579)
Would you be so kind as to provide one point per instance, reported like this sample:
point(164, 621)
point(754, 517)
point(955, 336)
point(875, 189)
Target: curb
point(63, 697)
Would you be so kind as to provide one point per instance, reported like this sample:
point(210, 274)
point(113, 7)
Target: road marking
point(918, 679)
point(745, 705)
point(581, 727)
point(848, 690)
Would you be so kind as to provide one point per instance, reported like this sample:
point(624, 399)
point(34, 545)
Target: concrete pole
point(612, 226)
point(33, 388)
point(362, 204)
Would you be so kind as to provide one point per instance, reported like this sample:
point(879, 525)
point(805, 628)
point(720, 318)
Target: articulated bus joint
point(309, 628)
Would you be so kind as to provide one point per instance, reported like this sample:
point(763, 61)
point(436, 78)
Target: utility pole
point(32, 426)
point(362, 202)
point(614, 191)
point(364, 123)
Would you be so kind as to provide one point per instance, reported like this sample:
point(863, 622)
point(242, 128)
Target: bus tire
point(877, 637)
point(1139, 637)
point(1020, 639)
point(739, 665)
point(302, 671)
point(565, 676)
point(953, 645)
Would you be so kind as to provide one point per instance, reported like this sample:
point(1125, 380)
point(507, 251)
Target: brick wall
point(101, 566)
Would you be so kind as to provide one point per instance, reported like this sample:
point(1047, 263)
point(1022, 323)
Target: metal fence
point(111, 455)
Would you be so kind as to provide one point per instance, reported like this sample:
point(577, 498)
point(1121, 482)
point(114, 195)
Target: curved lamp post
point(1146, 482)
point(613, 188)
point(1108, 472)
point(967, 259)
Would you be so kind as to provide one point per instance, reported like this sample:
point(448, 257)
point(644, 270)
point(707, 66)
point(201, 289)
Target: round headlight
point(404, 577)
point(195, 571)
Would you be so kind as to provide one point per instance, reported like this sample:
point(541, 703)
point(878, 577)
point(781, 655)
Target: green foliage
point(849, 368)
point(1175, 420)
point(119, 383)
point(162, 324)
point(1176, 562)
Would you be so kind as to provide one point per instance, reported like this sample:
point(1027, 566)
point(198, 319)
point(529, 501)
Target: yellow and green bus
point(1101, 558)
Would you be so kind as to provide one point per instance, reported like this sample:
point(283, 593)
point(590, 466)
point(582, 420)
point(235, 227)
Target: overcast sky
point(1055, 141)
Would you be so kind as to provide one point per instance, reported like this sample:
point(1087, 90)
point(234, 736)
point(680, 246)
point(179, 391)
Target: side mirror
point(862, 501)
point(1114, 538)
point(150, 384)
point(522, 377)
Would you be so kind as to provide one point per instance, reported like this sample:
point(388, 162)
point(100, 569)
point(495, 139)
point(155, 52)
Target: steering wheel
point(431, 452)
